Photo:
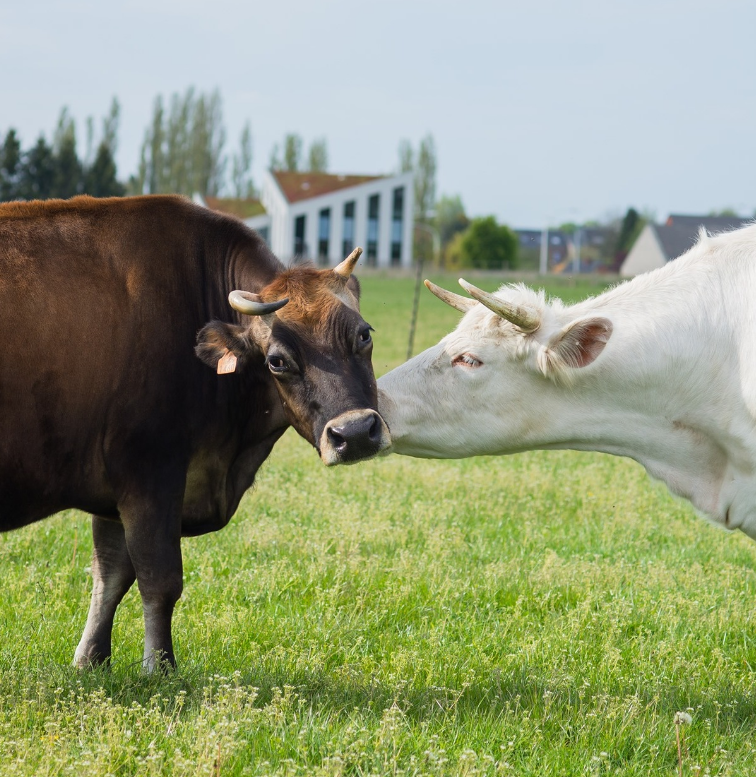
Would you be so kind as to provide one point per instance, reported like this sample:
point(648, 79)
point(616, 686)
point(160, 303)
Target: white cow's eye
point(466, 360)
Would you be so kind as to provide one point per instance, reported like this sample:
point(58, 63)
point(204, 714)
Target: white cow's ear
point(576, 345)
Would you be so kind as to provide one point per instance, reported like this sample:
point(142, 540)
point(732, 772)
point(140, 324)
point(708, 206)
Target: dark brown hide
point(105, 407)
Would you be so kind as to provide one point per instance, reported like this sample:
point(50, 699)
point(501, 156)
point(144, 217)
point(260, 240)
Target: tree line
point(184, 151)
point(54, 169)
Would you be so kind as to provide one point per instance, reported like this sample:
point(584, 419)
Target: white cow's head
point(495, 383)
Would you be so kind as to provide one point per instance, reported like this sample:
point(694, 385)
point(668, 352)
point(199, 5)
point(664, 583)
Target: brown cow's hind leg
point(112, 575)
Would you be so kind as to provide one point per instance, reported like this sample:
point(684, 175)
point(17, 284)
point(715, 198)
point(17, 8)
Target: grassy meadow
point(542, 614)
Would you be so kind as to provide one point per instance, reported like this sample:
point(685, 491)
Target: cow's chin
point(353, 436)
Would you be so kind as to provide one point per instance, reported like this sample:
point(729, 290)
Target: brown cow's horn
point(457, 301)
point(347, 266)
point(520, 315)
point(250, 304)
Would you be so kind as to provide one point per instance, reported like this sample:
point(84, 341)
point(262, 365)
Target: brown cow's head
point(307, 328)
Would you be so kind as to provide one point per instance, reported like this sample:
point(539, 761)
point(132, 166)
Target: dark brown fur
point(104, 405)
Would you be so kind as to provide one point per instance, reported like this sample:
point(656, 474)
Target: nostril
point(337, 440)
point(374, 431)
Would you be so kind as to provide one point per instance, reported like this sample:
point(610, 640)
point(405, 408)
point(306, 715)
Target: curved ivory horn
point(457, 301)
point(347, 266)
point(249, 304)
point(520, 315)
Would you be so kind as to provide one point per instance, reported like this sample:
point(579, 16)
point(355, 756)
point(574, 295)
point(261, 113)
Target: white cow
point(661, 369)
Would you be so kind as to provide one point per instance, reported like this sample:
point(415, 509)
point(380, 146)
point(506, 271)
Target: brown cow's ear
point(354, 286)
point(225, 347)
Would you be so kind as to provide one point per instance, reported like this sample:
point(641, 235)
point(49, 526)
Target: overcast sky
point(541, 110)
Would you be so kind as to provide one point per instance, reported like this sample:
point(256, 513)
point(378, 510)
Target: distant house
point(657, 244)
point(321, 217)
point(530, 247)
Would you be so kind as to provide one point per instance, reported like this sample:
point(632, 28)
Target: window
point(372, 230)
point(300, 248)
point(348, 244)
point(264, 233)
point(397, 224)
point(324, 234)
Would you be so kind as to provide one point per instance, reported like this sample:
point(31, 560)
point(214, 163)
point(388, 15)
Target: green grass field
point(544, 614)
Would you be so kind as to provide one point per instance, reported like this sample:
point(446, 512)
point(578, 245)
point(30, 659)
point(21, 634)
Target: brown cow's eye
point(277, 364)
point(364, 336)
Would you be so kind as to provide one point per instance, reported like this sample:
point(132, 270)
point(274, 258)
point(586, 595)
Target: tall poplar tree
point(37, 172)
point(100, 176)
point(183, 152)
point(10, 166)
point(68, 170)
point(317, 158)
point(241, 179)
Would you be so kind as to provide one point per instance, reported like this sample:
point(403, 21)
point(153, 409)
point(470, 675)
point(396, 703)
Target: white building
point(321, 217)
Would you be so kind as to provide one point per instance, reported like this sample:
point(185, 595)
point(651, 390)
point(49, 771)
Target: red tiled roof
point(302, 186)
point(242, 209)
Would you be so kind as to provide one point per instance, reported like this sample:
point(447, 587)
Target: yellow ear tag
point(227, 363)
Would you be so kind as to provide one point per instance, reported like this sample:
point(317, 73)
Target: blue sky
point(541, 111)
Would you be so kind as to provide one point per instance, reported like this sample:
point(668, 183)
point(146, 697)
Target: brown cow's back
point(100, 303)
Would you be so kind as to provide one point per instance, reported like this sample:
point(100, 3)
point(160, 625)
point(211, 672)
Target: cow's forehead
point(315, 297)
point(481, 327)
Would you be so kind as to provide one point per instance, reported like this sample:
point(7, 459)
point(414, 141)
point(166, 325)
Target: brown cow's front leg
point(112, 576)
point(153, 538)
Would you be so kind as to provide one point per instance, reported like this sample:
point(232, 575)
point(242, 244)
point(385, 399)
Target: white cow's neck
point(666, 391)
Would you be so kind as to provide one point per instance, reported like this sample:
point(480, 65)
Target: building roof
point(303, 186)
point(712, 223)
point(242, 209)
point(680, 233)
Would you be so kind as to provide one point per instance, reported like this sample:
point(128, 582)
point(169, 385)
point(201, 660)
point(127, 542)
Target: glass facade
point(348, 241)
point(300, 247)
point(324, 235)
point(374, 204)
point(397, 225)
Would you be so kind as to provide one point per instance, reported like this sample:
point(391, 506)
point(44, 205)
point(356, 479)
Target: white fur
point(674, 387)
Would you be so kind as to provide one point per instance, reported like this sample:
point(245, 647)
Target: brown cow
point(105, 407)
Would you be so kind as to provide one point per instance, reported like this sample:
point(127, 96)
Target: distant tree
point(425, 178)
point(241, 165)
point(423, 165)
point(274, 162)
point(100, 174)
point(728, 212)
point(290, 158)
point(89, 143)
point(100, 178)
point(110, 126)
point(208, 136)
point(152, 162)
point(488, 245)
point(292, 152)
point(68, 170)
point(37, 172)
point(450, 219)
point(454, 254)
point(317, 159)
point(183, 153)
point(406, 157)
point(632, 224)
point(10, 167)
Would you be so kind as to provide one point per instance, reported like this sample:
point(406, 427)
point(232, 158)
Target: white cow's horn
point(520, 315)
point(347, 266)
point(249, 304)
point(457, 301)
